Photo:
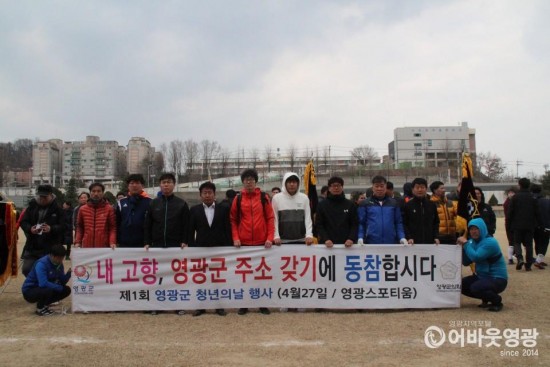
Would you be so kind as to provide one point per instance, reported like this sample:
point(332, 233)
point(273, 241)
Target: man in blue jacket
point(131, 212)
point(380, 220)
point(491, 277)
point(47, 281)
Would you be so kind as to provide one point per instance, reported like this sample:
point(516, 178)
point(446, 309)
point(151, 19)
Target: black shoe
point(198, 312)
point(496, 308)
point(484, 304)
point(520, 264)
point(44, 311)
point(510, 262)
point(538, 266)
point(264, 311)
point(242, 311)
point(221, 312)
point(527, 267)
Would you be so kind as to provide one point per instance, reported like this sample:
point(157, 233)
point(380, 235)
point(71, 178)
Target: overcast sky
point(257, 73)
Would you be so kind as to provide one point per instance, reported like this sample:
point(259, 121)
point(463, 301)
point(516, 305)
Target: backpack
point(263, 198)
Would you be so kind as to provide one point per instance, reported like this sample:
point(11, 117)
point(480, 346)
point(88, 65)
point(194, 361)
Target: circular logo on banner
point(434, 337)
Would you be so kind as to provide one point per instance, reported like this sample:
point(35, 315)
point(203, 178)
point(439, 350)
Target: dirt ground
point(377, 338)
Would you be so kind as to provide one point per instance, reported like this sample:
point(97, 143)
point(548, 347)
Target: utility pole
point(518, 163)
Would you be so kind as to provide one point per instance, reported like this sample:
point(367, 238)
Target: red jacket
point(96, 225)
point(256, 223)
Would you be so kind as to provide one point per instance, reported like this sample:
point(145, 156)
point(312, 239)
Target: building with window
point(139, 155)
point(431, 146)
point(92, 159)
point(47, 162)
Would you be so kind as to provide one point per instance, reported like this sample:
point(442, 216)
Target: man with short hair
point(292, 213)
point(389, 189)
point(46, 283)
point(209, 226)
point(336, 218)
point(43, 224)
point(420, 218)
point(96, 222)
point(275, 191)
point(446, 212)
point(131, 212)
point(524, 218)
point(167, 220)
point(252, 219)
point(380, 219)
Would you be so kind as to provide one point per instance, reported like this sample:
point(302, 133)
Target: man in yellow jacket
point(446, 210)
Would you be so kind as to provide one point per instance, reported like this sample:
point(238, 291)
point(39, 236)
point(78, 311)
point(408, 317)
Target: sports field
point(338, 338)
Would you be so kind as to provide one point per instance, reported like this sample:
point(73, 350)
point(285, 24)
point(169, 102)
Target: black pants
point(525, 237)
point(487, 289)
point(45, 296)
point(28, 263)
point(541, 241)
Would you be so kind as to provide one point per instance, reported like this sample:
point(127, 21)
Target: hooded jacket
point(447, 213)
point(130, 218)
point(292, 213)
point(485, 253)
point(254, 225)
point(38, 245)
point(96, 225)
point(380, 221)
point(336, 219)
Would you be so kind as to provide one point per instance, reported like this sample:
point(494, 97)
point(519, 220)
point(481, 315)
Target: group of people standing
point(253, 218)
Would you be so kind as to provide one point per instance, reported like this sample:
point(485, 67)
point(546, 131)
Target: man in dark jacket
point(209, 226)
point(336, 218)
point(167, 219)
point(43, 224)
point(523, 219)
point(131, 212)
point(420, 217)
point(542, 232)
point(486, 212)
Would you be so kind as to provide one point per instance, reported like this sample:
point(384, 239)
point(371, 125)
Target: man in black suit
point(209, 225)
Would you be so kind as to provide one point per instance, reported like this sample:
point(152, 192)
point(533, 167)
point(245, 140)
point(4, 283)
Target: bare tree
point(209, 150)
point(292, 156)
point(269, 156)
point(490, 165)
point(224, 161)
point(254, 157)
point(175, 157)
point(240, 159)
point(190, 155)
point(325, 158)
point(364, 155)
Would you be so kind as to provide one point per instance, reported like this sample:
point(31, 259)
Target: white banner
point(369, 277)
